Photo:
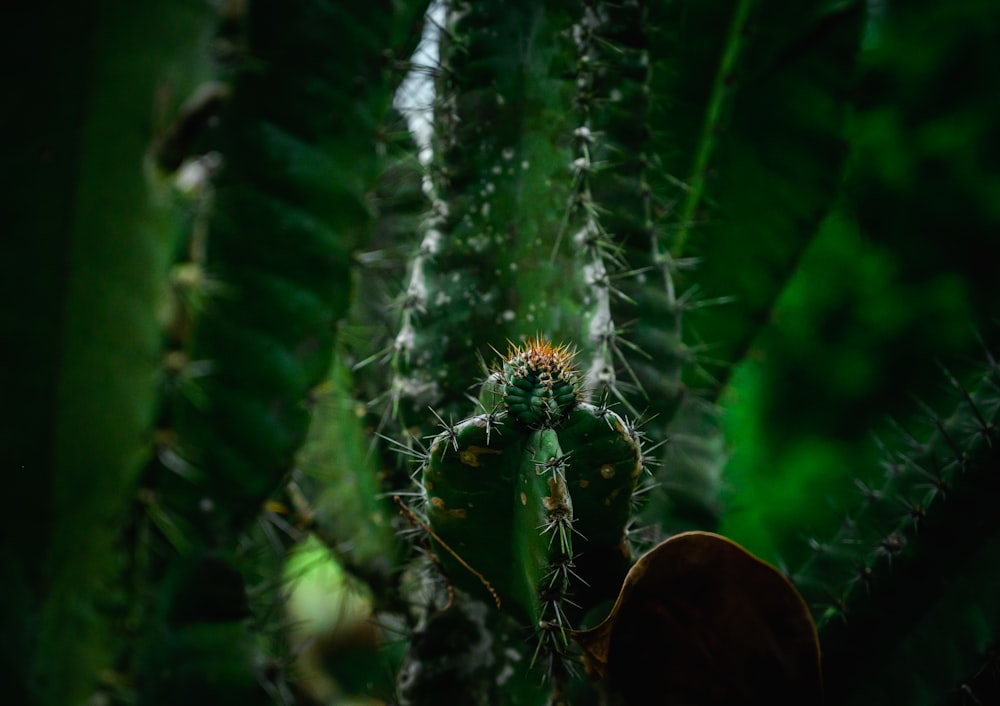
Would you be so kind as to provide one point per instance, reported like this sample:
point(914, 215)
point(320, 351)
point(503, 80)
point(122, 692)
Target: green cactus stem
point(528, 502)
point(888, 574)
point(499, 172)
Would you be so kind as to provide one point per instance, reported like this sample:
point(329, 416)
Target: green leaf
point(766, 163)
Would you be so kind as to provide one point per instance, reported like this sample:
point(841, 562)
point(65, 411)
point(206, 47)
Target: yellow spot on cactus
point(607, 471)
point(440, 505)
point(584, 483)
point(429, 484)
point(558, 496)
point(611, 497)
point(470, 455)
point(524, 498)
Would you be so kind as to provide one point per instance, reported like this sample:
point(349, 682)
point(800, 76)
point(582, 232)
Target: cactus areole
point(517, 494)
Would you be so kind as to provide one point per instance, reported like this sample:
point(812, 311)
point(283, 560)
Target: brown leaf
point(700, 620)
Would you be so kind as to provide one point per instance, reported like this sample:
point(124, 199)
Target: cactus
point(919, 530)
point(255, 333)
point(541, 458)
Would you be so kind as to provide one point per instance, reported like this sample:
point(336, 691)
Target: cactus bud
point(539, 383)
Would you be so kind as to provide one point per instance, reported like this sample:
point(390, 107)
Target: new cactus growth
point(539, 385)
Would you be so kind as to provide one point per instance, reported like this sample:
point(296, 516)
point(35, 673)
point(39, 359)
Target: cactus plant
point(258, 332)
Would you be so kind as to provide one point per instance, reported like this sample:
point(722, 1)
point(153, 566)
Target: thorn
point(420, 454)
point(868, 493)
point(891, 546)
point(449, 430)
point(557, 465)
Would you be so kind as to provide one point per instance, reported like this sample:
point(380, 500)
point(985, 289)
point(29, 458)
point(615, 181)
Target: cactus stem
point(412, 517)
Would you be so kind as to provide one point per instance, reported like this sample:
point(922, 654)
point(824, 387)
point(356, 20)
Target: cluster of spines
point(909, 536)
point(552, 638)
point(539, 383)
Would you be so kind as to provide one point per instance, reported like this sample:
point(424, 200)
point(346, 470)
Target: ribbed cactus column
point(613, 100)
point(904, 561)
point(634, 309)
point(500, 172)
point(599, 252)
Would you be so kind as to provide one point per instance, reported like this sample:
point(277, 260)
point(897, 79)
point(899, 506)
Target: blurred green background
point(901, 278)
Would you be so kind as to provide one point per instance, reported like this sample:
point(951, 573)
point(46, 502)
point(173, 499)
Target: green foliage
point(241, 305)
